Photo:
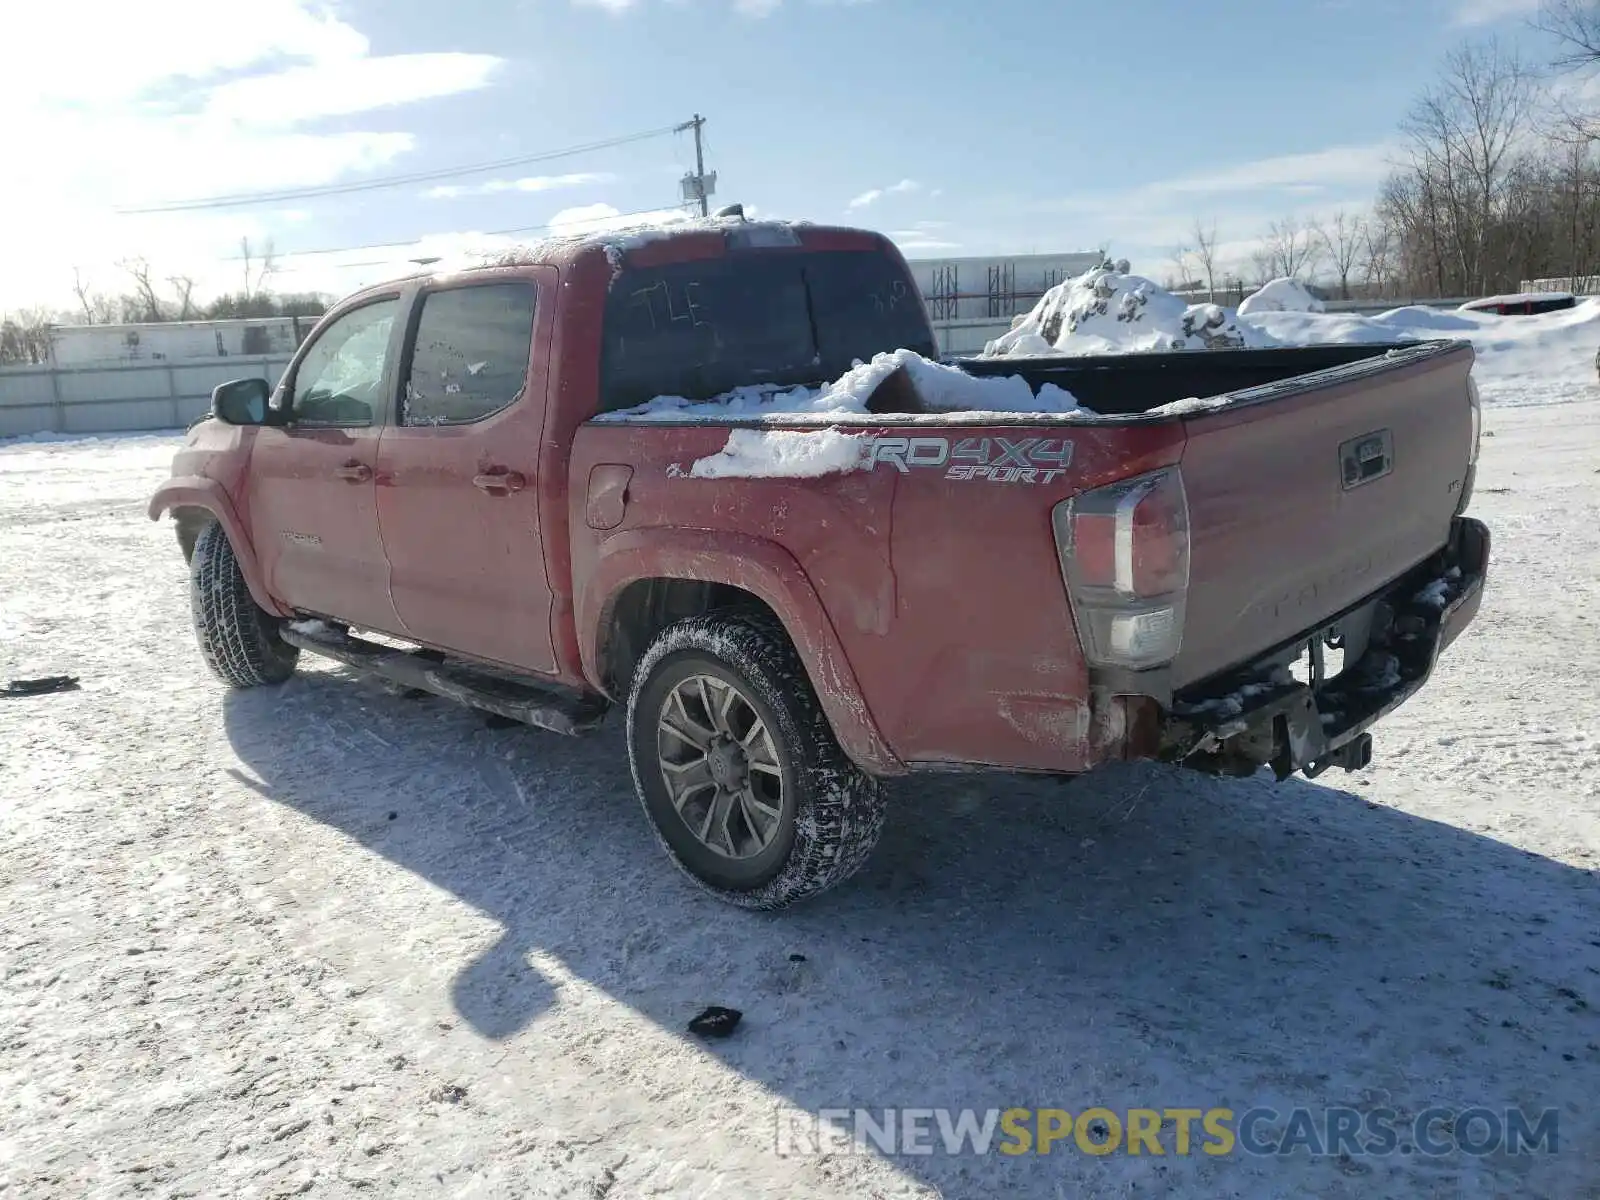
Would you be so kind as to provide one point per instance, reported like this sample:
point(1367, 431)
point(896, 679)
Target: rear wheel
point(238, 638)
point(738, 769)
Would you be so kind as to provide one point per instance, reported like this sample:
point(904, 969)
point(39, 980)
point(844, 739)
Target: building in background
point(972, 300)
point(176, 341)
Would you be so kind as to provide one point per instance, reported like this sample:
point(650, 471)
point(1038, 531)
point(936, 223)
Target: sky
point(960, 128)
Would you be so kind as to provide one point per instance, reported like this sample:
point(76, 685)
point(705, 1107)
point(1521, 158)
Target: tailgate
point(1306, 496)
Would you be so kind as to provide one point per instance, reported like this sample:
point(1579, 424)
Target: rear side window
point(470, 354)
point(699, 329)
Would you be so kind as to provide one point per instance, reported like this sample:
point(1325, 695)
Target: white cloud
point(1319, 170)
point(118, 105)
point(335, 89)
point(869, 198)
point(1143, 222)
point(747, 8)
point(598, 218)
point(351, 269)
point(531, 183)
point(1488, 12)
point(913, 245)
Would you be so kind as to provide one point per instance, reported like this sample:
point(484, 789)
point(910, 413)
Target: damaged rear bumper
point(1261, 715)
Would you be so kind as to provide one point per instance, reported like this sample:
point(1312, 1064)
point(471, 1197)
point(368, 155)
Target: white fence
point(114, 398)
point(1577, 285)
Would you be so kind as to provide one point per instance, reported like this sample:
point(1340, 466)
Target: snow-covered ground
point(322, 940)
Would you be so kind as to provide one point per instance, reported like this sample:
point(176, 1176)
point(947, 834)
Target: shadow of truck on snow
point(1141, 938)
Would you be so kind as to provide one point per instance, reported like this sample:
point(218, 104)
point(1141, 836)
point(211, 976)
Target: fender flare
point(196, 491)
point(767, 571)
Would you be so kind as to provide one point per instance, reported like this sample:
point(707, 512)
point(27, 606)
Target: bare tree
point(257, 266)
point(184, 286)
point(1342, 239)
point(1182, 268)
point(1205, 251)
point(1263, 266)
point(1575, 24)
point(1467, 133)
point(1377, 256)
point(80, 289)
point(25, 338)
point(1291, 249)
point(144, 302)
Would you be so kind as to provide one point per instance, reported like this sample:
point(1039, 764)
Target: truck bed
point(939, 566)
point(1132, 384)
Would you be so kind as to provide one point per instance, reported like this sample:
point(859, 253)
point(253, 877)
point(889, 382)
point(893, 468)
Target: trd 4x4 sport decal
point(995, 459)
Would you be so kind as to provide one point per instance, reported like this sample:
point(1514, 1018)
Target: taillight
point(1475, 404)
point(1475, 401)
point(1125, 559)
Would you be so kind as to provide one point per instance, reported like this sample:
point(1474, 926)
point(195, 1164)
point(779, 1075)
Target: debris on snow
point(1281, 295)
point(1108, 312)
point(41, 687)
point(716, 1022)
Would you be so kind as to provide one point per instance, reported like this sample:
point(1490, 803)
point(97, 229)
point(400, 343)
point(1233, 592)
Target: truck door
point(312, 507)
point(457, 496)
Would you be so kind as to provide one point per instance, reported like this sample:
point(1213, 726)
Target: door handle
point(500, 481)
point(354, 472)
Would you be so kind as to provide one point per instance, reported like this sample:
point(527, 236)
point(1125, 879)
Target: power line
point(305, 193)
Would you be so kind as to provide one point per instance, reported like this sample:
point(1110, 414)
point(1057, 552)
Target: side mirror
point(241, 402)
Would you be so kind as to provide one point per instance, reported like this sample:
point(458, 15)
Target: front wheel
point(238, 638)
point(738, 769)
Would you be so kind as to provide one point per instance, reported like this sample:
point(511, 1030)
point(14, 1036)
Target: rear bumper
point(1260, 715)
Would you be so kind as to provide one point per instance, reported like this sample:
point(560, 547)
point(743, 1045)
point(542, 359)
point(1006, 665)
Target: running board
point(570, 713)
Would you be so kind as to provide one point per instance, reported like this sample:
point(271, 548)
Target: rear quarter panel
point(944, 594)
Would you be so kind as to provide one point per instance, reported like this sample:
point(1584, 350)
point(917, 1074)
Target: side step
point(571, 713)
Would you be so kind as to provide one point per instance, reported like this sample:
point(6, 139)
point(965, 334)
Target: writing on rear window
point(701, 329)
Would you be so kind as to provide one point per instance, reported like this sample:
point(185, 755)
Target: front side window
point(470, 357)
point(340, 380)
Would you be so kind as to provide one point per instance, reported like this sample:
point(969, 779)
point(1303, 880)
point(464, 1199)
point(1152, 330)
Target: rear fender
point(196, 491)
point(763, 569)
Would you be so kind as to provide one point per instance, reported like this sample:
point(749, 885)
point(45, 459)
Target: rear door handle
point(500, 481)
point(354, 472)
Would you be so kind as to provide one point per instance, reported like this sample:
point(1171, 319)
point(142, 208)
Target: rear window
point(698, 329)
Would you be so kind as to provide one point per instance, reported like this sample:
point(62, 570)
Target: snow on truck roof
point(617, 241)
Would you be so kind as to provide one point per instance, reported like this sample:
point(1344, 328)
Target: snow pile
point(1281, 295)
point(946, 389)
point(1111, 312)
point(1107, 312)
point(1526, 359)
point(784, 454)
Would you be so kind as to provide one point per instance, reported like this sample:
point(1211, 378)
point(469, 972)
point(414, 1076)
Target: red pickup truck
point(454, 488)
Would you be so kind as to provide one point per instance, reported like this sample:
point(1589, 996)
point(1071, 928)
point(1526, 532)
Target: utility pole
point(698, 186)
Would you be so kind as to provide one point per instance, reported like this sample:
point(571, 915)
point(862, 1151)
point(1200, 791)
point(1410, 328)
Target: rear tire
point(758, 804)
point(238, 638)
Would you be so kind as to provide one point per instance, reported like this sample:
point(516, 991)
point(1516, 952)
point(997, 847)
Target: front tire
point(738, 769)
point(238, 638)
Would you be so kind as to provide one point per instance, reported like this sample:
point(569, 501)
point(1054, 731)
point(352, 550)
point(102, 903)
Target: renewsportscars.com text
point(1377, 1132)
